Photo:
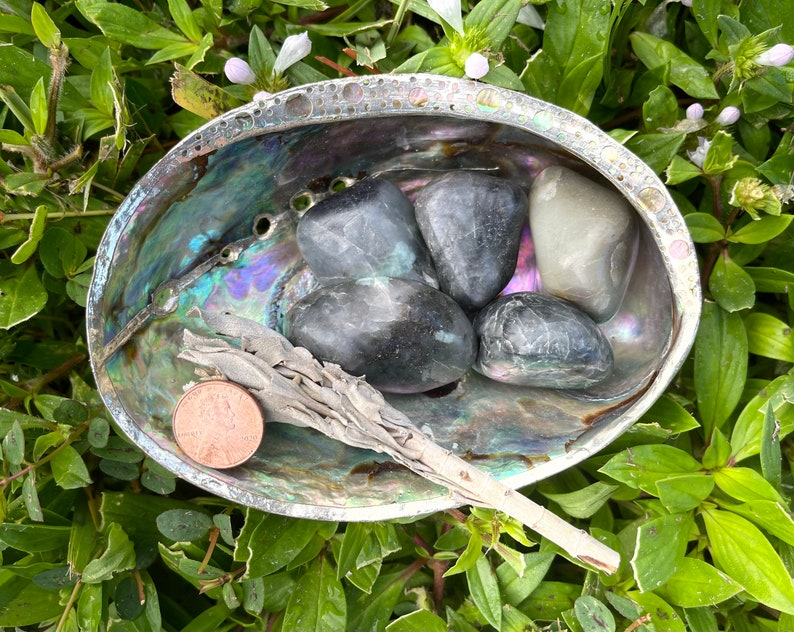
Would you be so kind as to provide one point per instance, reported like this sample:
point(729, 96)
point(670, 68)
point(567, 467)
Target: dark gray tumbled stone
point(403, 336)
point(365, 230)
point(537, 340)
point(472, 224)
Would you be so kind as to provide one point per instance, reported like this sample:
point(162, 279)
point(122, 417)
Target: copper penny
point(218, 424)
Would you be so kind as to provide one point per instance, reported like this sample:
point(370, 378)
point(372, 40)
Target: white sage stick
point(293, 387)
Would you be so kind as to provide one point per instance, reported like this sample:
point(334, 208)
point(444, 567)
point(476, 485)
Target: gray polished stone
point(472, 224)
point(538, 340)
point(585, 238)
point(367, 229)
point(403, 336)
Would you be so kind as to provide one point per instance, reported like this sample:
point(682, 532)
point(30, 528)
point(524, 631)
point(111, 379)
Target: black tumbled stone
point(365, 230)
point(472, 224)
point(403, 336)
point(538, 340)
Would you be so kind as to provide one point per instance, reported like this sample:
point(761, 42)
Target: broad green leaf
point(769, 336)
point(696, 583)
point(98, 432)
point(118, 449)
point(39, 110)
point(273, 542)
point(741, 551)
point(717, 453)
point(102, 78)
point(745, 484)
point(704, 228)
point(356, 536)
point(761, 230)
point(719, 156)
point(748, 429)
point(183, 17)
point(346, 29)
point(128, 602)
point(575, 32)
point(579, 84)
point(253, 595)
point(659, 547)
point(771, 461)
point(14, 445)
point(513, 587)
point(663, 615)
point(30, 496)
point(14, 101)
point(418, 621)
point(83, 537)
point(583, 503)
point(660, 109)
point(550, 599)
point(69, 469)
point(593, 615)
point(513, 620)
point(89, 607)
point(177, 50)
point(657, 149)
point(765, 90)
point(126, 25)
point(318, 602)
point(470, 555)
point(28, 248)
point(730, 285)
point(643, 466)
point(504, 77)
point(670, 415)
point(22, 296)
point(24, 603)
point(680, 170)
point(33, 538)
point(685, 72)
point(685, 491)
point(373, 611)
point(705, 13)
point(118, 556)
point(720, 364)
point(541, 76)
point(16, 24)
point(184, 525)
point(771, 516)
point(484, 590)
point(46, 30)
point(769, 279)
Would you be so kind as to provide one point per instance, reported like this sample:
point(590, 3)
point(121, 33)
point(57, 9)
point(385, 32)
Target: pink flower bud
point(778, 55)
point(694, 112)
point(729, 115)
point(238, 71)
point(476, 66)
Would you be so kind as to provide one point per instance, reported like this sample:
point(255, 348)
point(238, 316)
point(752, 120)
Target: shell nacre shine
point(250, 162)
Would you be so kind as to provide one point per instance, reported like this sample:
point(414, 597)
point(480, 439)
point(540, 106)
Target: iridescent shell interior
point(254, 166)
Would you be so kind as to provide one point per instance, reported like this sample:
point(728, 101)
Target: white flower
point(449, 11)
point(778, 55)
point(698, 156)
point(686, 3)
point(729, 115)
point(694, 112)
point(238, 71)
point(476, 66)
point(529, 16)
point(261, 95)
point(294, 48)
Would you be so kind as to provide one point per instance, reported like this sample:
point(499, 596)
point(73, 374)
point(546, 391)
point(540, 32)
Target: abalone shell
point(404, 336)
point(472, 224)
point(537, 340)
point(365, 230)
point(585, 238)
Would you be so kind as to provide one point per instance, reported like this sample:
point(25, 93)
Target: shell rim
point(422, 95)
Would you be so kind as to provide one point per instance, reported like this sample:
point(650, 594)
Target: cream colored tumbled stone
point(585, 238)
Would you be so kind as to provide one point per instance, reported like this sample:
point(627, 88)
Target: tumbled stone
point(472, 224)
point(585, 238)
point(403, 336)
point(365, 230)
point(537, 340)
